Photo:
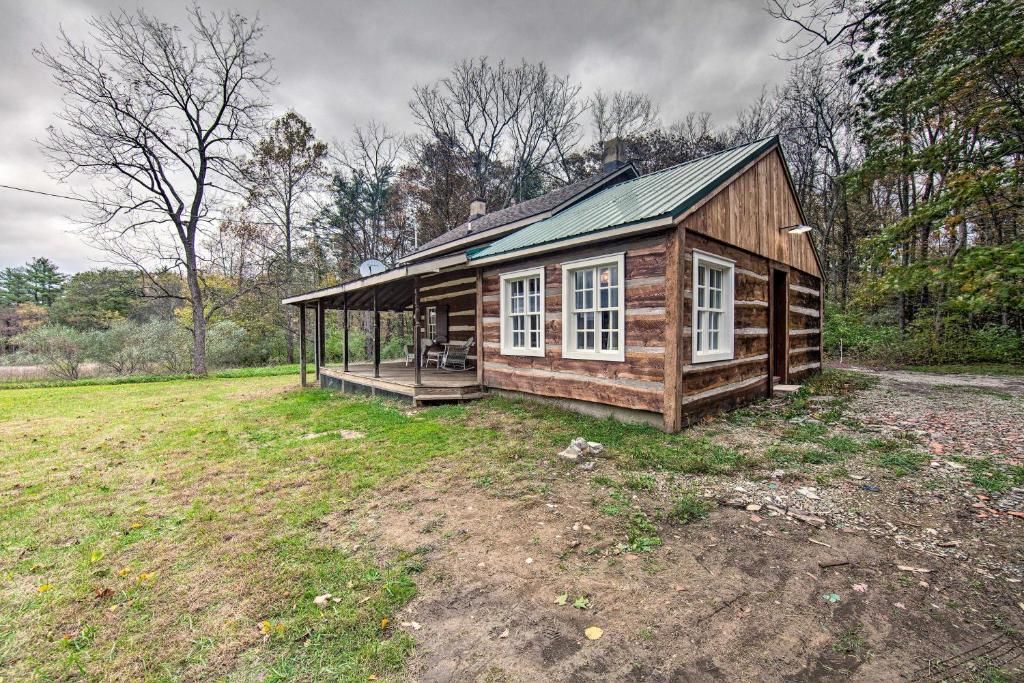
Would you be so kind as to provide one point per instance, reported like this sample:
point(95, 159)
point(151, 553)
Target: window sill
point(537, 353)
point(619, 357)
point(712, 357)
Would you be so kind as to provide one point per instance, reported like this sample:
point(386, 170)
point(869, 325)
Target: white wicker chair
point(456, 356)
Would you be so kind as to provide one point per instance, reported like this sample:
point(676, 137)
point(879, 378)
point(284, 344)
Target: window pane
point(604, 298)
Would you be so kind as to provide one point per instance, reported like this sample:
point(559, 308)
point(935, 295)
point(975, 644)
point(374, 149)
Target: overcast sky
point(340, 63)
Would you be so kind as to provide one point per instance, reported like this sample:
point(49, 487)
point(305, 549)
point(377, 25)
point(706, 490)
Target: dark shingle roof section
point(668, 192)
point(516, 212)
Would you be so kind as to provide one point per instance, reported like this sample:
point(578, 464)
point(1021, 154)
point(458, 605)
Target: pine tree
point(43, 281)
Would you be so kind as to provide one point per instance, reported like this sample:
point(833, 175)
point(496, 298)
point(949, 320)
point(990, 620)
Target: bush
point(958, 341)
point(59, 348)
point(168, 346)
point(122, 348)
point(224, 340)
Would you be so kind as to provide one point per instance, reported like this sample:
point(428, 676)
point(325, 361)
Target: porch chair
point(410, 354)
point(456, 355)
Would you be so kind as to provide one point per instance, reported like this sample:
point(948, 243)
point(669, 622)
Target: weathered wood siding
point(719, 385)
point(749, 211)
point(804, 325)
point(457, 292)
point(638, 383)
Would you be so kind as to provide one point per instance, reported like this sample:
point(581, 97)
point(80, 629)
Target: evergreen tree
point(43, 281)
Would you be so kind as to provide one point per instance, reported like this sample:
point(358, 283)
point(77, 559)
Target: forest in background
point(902, 123)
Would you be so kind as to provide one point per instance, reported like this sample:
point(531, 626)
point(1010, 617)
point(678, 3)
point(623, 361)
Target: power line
point(128, 208)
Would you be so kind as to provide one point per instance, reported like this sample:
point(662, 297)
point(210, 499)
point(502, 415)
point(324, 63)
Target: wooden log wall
point(719, 385)
point(637, 383)
point(456, 291)
point(805, 318)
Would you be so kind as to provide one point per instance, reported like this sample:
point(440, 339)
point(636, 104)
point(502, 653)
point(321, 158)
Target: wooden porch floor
point(397, 378)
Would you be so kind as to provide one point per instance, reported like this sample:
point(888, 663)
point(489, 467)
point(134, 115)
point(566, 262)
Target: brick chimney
point(477, 209)
point(614, 155)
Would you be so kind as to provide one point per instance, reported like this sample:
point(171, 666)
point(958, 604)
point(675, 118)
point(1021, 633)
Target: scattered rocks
point(580, 447)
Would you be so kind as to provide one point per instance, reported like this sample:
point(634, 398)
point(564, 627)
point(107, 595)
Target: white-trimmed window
point(432, 323)
point(713, 310)
point(522, 313)
point(593, 310)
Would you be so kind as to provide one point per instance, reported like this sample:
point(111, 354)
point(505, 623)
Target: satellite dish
point(371, 267)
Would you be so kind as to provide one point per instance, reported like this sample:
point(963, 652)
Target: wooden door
point(779, 321)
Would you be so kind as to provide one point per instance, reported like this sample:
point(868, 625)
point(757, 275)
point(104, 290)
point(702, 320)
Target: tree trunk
point(198, 316)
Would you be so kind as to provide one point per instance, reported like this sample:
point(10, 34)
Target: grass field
point(167, 530)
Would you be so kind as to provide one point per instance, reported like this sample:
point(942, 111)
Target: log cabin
point(656, 298)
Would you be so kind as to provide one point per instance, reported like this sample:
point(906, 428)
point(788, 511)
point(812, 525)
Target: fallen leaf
point(415, 626)
point(383, 623)
point(916, 570)
point(593, 632)
point(830, 597)
point(265, 627)
point(581, 602)
point(45, 587)
point(860, 587)
point(562, 599)
point(322, 599)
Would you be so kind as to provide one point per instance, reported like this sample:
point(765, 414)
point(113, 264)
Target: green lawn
point(170, 530)
point(174, 530)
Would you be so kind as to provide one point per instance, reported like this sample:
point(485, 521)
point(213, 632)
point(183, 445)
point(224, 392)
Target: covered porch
point(397, 379)
point(412, 289)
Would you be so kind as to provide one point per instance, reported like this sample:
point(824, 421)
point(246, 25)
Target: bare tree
point(366, 217)
point(156, 118)
point(510, 122)
point(622, 114)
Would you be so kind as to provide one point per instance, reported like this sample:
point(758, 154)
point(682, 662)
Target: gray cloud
point(342, 63)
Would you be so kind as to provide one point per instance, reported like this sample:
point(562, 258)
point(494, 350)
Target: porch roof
point(394, 287)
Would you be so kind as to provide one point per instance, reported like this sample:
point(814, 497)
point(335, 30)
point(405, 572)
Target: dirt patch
point(888, 577)
point(728, 598)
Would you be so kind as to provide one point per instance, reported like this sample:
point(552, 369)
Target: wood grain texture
point(749, 211)
point(675, 279)
point(638, 382)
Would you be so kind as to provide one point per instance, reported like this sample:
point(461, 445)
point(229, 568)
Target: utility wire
point(128, 208)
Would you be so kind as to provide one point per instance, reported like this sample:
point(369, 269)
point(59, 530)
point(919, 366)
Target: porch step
point(785, 389)
point(451, 397)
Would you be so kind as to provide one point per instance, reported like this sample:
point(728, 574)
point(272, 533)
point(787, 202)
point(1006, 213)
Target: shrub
point(168, 346)
point(59, 348)
point(224, 341)
point(122, 348)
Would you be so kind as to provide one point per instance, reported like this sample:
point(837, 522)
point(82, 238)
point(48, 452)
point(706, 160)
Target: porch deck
point(397, 379)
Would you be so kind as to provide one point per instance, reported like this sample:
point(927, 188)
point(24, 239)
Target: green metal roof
point(668, 192)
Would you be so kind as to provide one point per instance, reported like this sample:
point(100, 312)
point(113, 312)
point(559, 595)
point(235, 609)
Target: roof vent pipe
point(477, 209)
point(614, 155)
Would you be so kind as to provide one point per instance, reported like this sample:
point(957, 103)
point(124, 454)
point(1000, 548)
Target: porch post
point(321, 334)
point(376, 335)
point(302, 344)
point(416, 328)
point(344, 353)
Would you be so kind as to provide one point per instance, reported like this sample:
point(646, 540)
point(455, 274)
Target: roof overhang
point(392, 276)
